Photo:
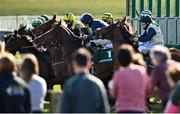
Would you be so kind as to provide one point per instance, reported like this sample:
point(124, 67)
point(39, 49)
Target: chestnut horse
point(119, 33)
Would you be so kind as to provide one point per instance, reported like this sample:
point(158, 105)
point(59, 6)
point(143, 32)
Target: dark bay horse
point(119, 33)
point(24, 45)
point(37, 32)
point(68, 41)
point(39, 29)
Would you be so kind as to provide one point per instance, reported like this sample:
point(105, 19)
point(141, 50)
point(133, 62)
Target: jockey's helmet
point(145, 18)
point(86, 18)
point(146, 12)
point(36, 22)
point(42, 19)
point(107, 16)
point(45, 17)
point(69, 17)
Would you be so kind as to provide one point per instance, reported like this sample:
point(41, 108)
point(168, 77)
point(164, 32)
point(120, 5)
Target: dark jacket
point(147, 36)
point(84, 93)
point(98, 24)
point(14, 95)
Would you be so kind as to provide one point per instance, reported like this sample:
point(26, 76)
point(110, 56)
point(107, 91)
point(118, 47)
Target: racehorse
point(68, 41)
point(24, 45)
point(39, 29)
point(119, 33)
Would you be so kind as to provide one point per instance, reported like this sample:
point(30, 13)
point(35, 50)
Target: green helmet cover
point(36, 22)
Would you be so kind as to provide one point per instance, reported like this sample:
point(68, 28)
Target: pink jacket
point(129, 87)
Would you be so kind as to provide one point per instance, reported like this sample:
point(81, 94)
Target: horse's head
point(44, 27)
point(23, 31)
point(17, 42)
point(125, 26)
point(48, 37)
point(58, 34)
point(120, 31)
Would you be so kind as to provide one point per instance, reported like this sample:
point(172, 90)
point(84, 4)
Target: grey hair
point(160, 53)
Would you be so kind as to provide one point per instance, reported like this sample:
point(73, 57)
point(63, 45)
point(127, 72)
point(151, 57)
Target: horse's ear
point(24, 27)
point(54, 17)
point(117, 23)
point(124, 19)
point(59, 24)
point(15, 33)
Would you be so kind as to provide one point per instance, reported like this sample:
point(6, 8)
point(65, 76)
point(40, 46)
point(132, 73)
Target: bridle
point(121, 26)
point(31, 33)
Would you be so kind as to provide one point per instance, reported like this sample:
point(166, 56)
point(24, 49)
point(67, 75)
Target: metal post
point(150, 5)
point(127, 7)
point(141, 8)
point(168, 8)
point(177, 8)
point(158, 12)
point(133, 15)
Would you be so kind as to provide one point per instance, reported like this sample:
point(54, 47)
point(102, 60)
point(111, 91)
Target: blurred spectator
point(161, 58)
point(2, 47)
point(37, 85)
point(173, 105)
point(14, 95)
point(84, 92)
point(130, 83)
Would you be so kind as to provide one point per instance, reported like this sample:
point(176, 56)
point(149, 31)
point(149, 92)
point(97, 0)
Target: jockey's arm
point(147, 36)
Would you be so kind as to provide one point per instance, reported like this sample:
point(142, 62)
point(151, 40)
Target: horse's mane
point(70, 32)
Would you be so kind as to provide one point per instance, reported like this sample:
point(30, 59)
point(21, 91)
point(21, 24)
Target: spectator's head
point(81, 60)
point(29, 67)
point(124, 55)
point(173, 74)
point(7, 63)
point(160, 54)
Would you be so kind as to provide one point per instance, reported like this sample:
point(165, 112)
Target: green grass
point(59, 7)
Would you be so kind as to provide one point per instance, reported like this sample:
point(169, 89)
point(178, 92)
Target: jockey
point(108, 18)
point(89, 22)
point(72, 24)
point(38, 21)
point(152, 35)
point(148, 12)
point(93, 24)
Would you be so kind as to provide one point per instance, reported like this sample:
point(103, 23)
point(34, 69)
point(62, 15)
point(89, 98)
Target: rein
point(31, 34)
point(57, 63)
point(32, 46)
